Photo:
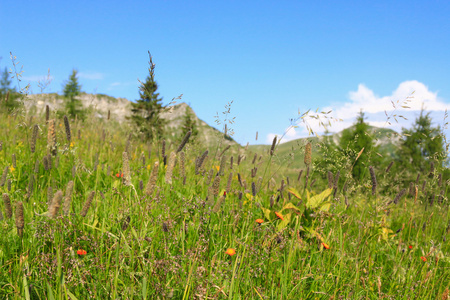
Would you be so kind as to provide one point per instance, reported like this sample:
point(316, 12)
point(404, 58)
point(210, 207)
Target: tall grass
point(172, 239)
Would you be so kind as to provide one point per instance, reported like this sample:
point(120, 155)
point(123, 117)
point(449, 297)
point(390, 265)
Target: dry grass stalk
point(184, 141)
point(231, 163)
point(216, 185)
point(253, 189)
point(20, 223)
point(211, 198)
point(182, 164)
point(374, 180)
point(47, 113)
point(308, 151)
point(3, 179)
point(7, 204)
point(109, 115)
point(56, 204)
point(30, 186)
point(13, 160)
point(163, 148)
point(87, 204)
point(254, 159)
point(240, 179)
point(230, 179)
point(272, 149)
point(9, 185)
point(68, 198)
point(67, 127)
point(219, 202)
point(330, 179)
point(170, 166)
point(222, 165)
point(126, 169)
point(34, 138)
point(224, 150)
point(399, 195)
point(152, 180)
point(389, 167)
point(51, 137)
point(307, 175)
point(199, 164)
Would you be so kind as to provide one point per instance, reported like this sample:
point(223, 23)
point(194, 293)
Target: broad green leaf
point(325, 206)
point(295, 193)
point(290, 206)
point(316, 200)
point(286, 220)
point(266, 213)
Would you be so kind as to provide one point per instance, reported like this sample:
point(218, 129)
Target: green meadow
point(90, 210)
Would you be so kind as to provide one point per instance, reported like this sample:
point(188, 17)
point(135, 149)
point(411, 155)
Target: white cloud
point(91, 75)
point(381, 111)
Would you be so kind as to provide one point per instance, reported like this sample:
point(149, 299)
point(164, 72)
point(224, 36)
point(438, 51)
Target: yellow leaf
point(266, 212)
point(294, 192)
point(285, 222)
point(290, 206)
point(316, 200)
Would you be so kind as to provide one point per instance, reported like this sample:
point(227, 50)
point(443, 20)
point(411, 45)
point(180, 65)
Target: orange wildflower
point(280, 216)
point(81, 252)
point(410, 247)
point(423, 258)
point(230, 251)
point(325, 246)
point(259, 221)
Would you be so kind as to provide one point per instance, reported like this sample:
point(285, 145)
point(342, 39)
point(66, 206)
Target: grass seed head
point(56, 204)
point(20, 223)
point(87, 204)
point(308, 150)
point(7, 204)
point(68, 198)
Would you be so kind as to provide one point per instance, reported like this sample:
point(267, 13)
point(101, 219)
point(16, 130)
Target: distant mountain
point(120, 109)
point(387, 139)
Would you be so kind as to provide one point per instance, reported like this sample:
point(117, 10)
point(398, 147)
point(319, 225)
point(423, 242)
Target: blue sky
point(271, 58)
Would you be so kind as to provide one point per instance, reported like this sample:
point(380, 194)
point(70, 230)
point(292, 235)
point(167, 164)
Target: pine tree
point(353, 141)
point(421, 145)
point(6, 91)
point(189, 123)
point(146, 112)
point(72, 89)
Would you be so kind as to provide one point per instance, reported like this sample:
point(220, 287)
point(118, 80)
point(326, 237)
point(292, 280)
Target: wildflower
point(423, 258)
point(119, 175)
point(259, 221)
point(280, 216)
point(71, 144)
point(410, 247)
point(325, 246)
point(81, 252)
point(12, 169)
point(230, 251)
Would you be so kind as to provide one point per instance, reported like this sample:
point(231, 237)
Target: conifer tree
point(72, 89)
point(352, 143)
point(8, 95)
point(421, 145)
point(189, 124)
point(146, 112)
